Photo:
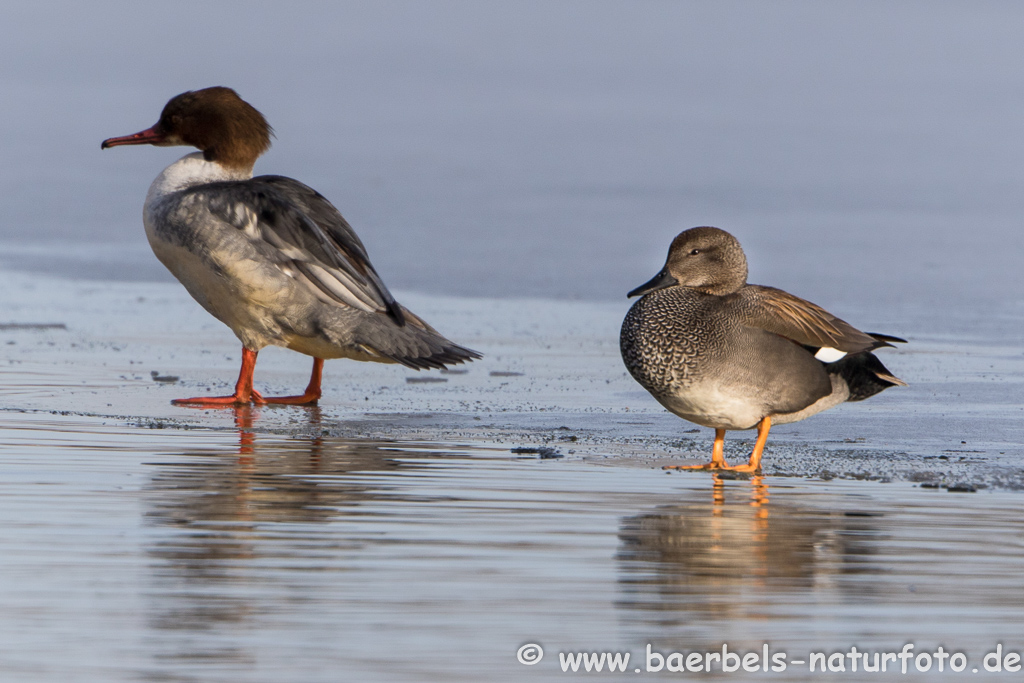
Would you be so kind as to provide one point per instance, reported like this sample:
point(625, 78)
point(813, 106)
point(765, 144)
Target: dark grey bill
point(659, 281)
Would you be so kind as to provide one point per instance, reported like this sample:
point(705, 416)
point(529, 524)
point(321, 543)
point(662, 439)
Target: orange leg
point(312, 393)
point(717, 456)
point(244, 393)
point(718, 452)
point(754, 465)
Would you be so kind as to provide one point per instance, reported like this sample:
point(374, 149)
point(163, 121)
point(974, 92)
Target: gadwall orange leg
point(717, 456)
point(718, 452)
point(754, 465)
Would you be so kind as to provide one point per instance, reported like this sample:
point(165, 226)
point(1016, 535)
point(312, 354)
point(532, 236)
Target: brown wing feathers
point(789, 316)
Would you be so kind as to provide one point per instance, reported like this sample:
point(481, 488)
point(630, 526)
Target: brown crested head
point(226, 128)
point(707, 259)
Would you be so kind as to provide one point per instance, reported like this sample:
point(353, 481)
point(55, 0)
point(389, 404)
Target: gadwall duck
point(724, 354)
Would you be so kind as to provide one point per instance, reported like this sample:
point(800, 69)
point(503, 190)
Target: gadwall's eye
point(694, 252)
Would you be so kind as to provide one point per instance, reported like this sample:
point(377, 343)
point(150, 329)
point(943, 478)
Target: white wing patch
point(826, 354)
point(342, 286)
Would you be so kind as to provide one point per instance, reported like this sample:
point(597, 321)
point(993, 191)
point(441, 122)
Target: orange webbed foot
point(245, 394)
point(718, 462)
point(303, 400)
point(717, 457)
point(706, 466)
point(308, 398)
point(211, 402)
point(748, 468)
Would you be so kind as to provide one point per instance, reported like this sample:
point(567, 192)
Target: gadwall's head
point(706, 259)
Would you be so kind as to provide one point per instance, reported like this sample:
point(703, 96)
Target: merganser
point(268, 256)
point(719, 352)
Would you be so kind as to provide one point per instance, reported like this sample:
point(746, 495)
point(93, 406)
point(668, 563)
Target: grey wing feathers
point(416, 345)
point(813, 327)
point(310, 239)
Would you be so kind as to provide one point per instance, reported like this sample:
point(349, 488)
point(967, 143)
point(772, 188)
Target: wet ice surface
point(551, 376)
point(222, 555)
point(393, 535)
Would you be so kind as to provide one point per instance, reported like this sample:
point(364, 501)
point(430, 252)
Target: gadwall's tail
point(864, 373)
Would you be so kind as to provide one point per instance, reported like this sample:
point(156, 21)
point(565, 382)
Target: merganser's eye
point(694, 252)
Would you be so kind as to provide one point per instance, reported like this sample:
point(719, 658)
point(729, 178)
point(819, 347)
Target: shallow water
point(232, 555)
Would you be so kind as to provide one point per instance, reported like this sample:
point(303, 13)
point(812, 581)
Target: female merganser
point(268, 256)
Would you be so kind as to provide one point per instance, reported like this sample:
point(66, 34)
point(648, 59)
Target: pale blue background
point(859, 150)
